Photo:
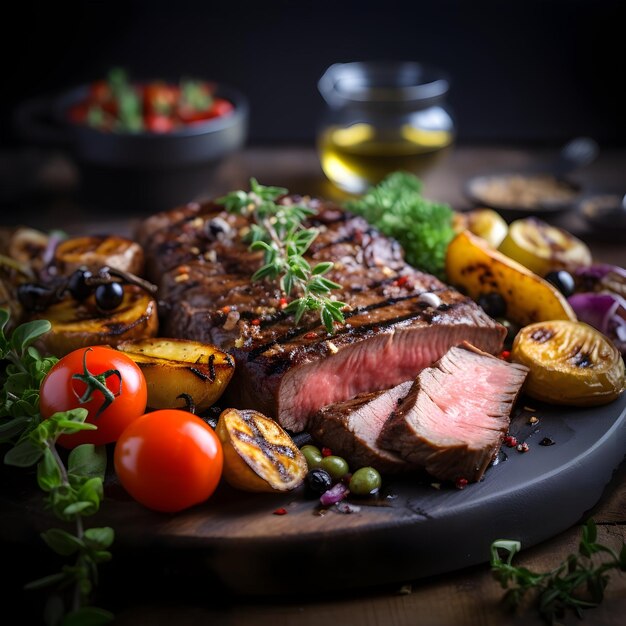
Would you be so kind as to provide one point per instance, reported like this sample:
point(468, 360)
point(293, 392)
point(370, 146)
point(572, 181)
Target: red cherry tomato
point(159, 97)
point(169, 460)
point(157, 123)
point(100, 92)
point(60, 391)
point(220, 107)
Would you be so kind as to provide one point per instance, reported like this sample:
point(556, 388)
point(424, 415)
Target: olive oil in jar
point(361, 155)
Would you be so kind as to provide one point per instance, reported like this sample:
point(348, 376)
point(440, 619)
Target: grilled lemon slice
point(177, 366)
point(258, 454)
point(479, 269)
point(95, 252)
point(541, 247)
point(570, 363)
point(80, 324)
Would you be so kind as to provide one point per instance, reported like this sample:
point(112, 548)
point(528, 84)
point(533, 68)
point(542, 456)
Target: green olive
point(312, 455)
point(364, 481)
point(335, 466)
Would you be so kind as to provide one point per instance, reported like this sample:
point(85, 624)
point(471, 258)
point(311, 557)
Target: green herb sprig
point(72, 492)
point(398, 209)
point(577, 583)
point(277, 230)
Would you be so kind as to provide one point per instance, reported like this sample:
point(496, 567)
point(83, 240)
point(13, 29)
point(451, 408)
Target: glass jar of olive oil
point(382, 117)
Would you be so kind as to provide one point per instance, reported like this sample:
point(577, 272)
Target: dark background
point(532, 71)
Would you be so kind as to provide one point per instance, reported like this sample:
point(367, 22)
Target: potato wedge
point(80, 324)
point(176, 366)
point(477, 269)
point(95, 252)
point(258, 454)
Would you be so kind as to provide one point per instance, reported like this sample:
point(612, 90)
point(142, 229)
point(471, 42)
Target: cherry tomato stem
point(86, 378)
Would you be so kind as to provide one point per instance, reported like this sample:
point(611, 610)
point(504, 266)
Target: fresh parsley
point(277, 229)
point(72, 492)
point(577, 583)
point(398, 209)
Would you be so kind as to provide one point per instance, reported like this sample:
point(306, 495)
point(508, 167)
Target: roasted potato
point(258, 454)
point(95, 252)
point(80, 324)
point(542, 247)
point(569, 363)
point(485, 223)
point(177, 366)
point(27, 245)
point(476, 268)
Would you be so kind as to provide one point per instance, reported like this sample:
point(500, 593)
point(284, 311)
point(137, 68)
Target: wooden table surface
point(463, 598)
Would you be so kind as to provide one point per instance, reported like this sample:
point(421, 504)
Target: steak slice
point(449, 432)
point(351, 428)
point(197, 255)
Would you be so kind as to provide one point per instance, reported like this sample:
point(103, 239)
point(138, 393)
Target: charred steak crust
point(443, 429)
point(197, 255)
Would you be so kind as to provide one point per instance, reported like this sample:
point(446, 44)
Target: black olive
point(493, 304)
point(563, 281)
point(35, 297)
point(77, 285)
point(318, 481)
point(109, 296)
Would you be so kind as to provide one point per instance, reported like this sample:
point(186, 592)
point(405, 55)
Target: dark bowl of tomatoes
point(143, 145)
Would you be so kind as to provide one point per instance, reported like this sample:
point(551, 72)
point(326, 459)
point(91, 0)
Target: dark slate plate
point(413, 530)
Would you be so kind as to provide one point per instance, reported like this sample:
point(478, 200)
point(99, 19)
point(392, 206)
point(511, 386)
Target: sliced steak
point(456, 414)
point(351, 428)
point(198, 257)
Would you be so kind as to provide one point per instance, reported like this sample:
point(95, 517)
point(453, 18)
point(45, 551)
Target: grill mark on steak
point(345, 329)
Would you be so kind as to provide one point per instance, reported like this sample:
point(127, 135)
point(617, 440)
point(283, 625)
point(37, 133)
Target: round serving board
point(413, 530)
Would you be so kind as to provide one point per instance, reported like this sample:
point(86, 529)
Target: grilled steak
point(197, 256)
point(351, 428)
point(446, 430)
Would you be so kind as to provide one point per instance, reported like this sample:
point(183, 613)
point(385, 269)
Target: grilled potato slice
point(474, 266)
point(176, 366)
point(569, 363)
point(258, 454)
point(485, 223)
point(95, 252)
point(27, 245)
point(80, 324)
point(542, 247)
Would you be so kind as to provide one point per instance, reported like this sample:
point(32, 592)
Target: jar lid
point(383, 83)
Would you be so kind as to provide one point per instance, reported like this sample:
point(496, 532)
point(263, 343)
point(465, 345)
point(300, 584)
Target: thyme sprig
point(577, 583)
point(277, 229)
point(72, 492)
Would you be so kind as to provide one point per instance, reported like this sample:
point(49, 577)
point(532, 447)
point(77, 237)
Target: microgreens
point(277, 229)
point(577, 583)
